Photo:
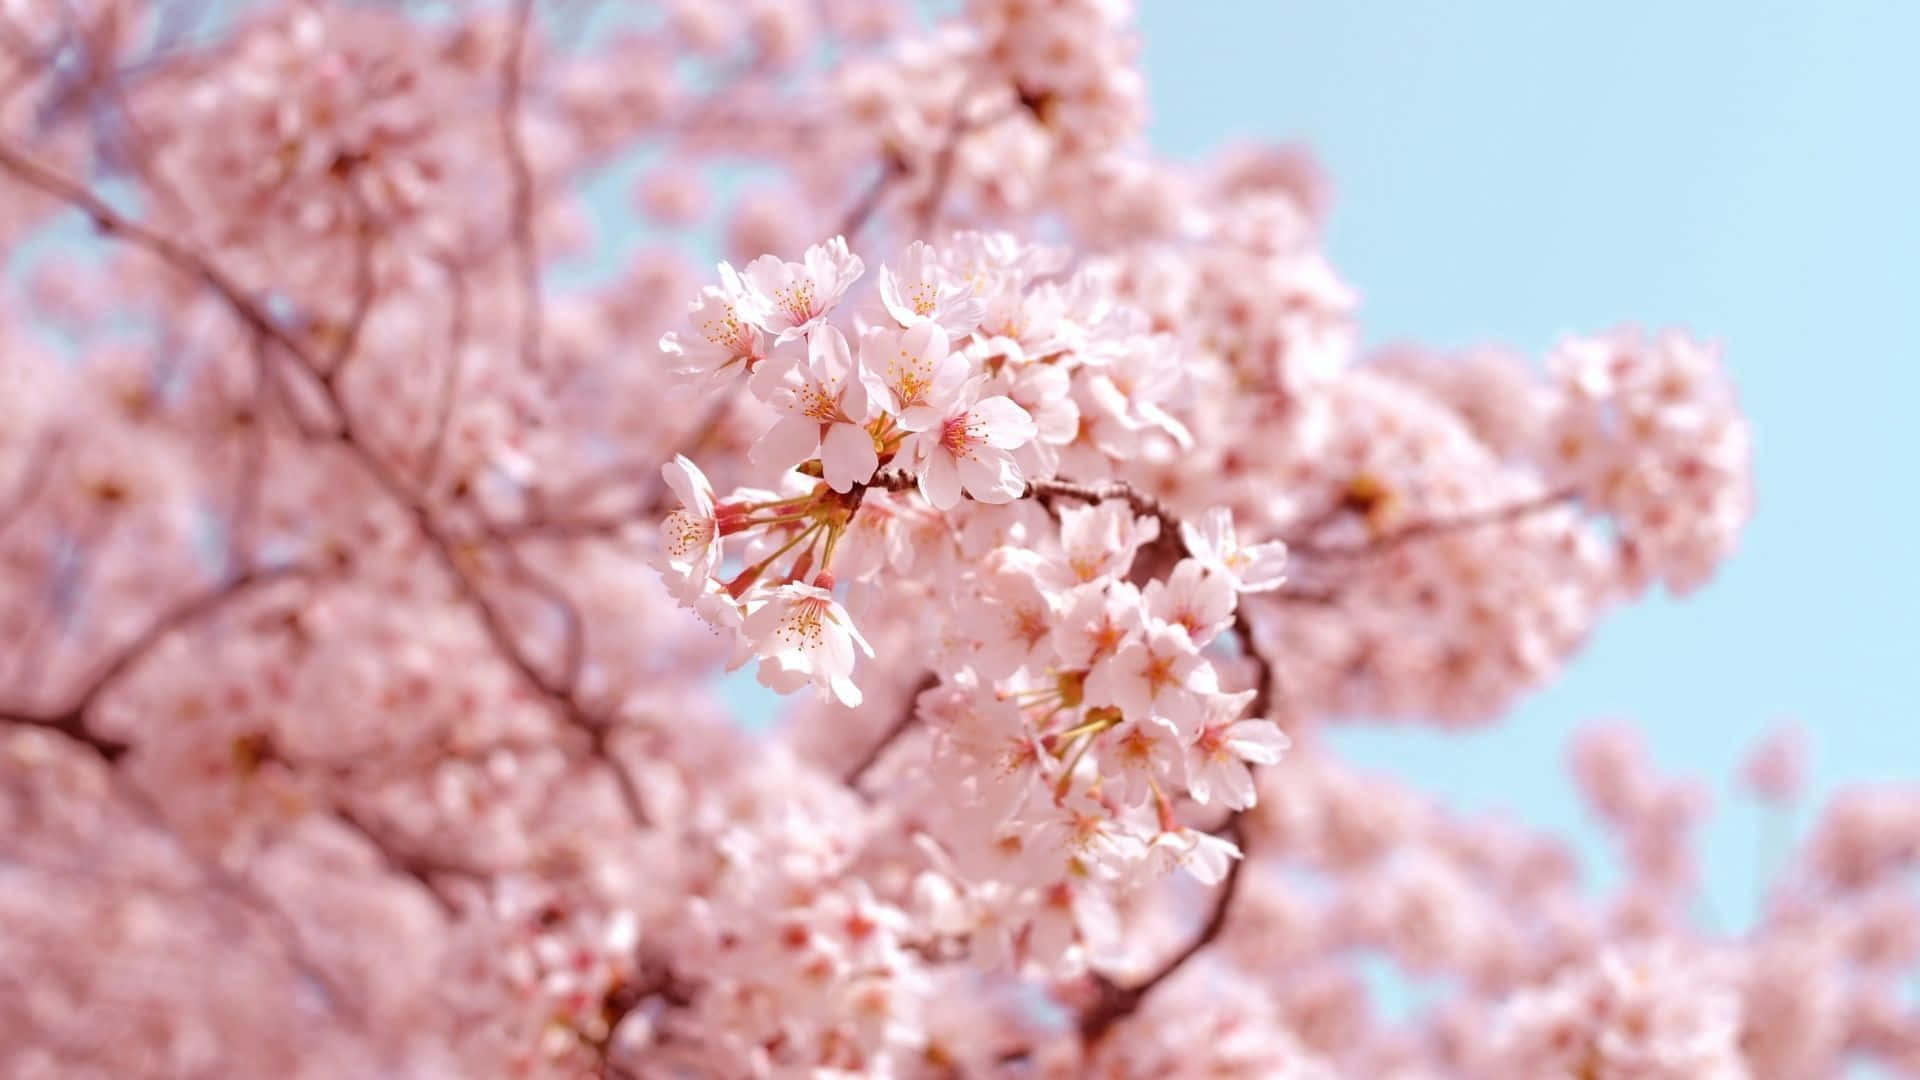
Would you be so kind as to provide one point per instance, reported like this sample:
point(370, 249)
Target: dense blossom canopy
point(367, 580)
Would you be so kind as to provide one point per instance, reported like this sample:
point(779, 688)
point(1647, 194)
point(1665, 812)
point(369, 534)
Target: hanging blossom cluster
point(1077, 710)
point(370, 574)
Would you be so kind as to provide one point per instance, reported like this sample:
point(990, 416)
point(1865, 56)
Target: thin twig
point(957, 128)
point(550, 689)
point(73, 719)
point(1115, 1003)
point(901, 723)
point(1438, 526)
point(450, 377)
point(403, 860)
point(441, 545)
point(364, 292)
point(112, 222)
point(520, 208)
point(870, 199)
point(573, 631)
point(252, 470)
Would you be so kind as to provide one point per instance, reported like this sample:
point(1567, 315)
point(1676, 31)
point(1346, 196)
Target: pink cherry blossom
point(911, 372)
point(691, 534)
point(825, 405)
point(919, 290)
point(1220, 752)
point(1249, 568)
point(968, 450)
point(1158, 673)
point(1193, 598)
point(1205, 856)
point(789, 299)
point(803, 635)
point(1142, 752)
point(723, 341)
point(1099, 541)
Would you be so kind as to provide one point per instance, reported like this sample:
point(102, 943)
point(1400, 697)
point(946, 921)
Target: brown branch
point(1139, 501)
point(1264, 680)
point(870, 199)
point(558, 694)
point(73, 727)
point(405, 861)
point(457, 320)
point(1115, 1003)
point(71, 723)
point(250, 477)
point(1430, 527)
point(957, 128)
point(901, 724)
point(113, 223)
point(520, 208)
point(655, 501)
point(364, 292)
point(249, 895)
point(72, 719)
point(597, 729)
point(573, 646)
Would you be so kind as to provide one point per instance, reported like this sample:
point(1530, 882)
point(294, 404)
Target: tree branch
point(520, 208)
point(1439, 526)
point(439, 543)
point(364, 287)
point(901, 724)
point(1115, 1003)
point(405, 861)
point(450, 378)
point(113, 223)
point(72, 719)
point(870, 199)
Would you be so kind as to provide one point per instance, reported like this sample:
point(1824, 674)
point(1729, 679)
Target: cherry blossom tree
point(368, 581)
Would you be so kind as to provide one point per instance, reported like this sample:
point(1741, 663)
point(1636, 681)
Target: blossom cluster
point(971, 375)
point(1076, 709)
point(1077, 715)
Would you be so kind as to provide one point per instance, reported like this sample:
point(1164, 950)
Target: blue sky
point(1512, 172)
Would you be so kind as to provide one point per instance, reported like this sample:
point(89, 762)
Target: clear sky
point(1511, 172)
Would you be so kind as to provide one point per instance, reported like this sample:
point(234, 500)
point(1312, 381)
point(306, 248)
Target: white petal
point(940, 481)
point(787, 443)
point(991, 476)
point(847, 456)
point(1265, 567)
point(926, 342)
point(828, 357)
point(1007, 424)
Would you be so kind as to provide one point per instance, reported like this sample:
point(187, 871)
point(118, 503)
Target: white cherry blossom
point(825, 405)
point(803, 635)
point(788, 299)
point(970, 449)
point(1247, 567)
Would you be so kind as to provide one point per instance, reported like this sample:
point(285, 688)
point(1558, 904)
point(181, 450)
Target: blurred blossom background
point(1505, 173)
point(1502, 174)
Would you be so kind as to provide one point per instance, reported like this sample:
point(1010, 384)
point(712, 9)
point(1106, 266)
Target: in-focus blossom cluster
point(1077, 710)
point(975, 369)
